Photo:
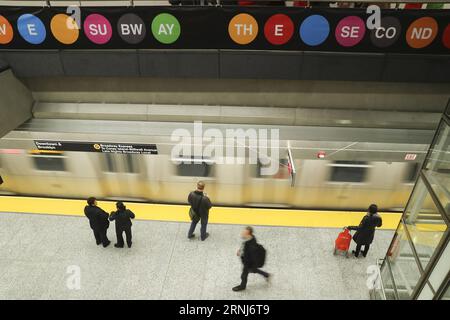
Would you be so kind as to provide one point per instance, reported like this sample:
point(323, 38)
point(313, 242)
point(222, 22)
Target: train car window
point(49, 163)
point(282, 173)
point(130, 165)
point(109, 163)
point(348, 171)
point(197, 168)
point(411, 172)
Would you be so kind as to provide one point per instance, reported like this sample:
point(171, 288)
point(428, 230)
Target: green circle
point(166, 28)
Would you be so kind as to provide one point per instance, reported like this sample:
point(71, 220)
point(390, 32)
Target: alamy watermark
point(229, 146)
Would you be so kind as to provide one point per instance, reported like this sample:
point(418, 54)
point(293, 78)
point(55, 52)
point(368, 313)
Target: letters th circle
point(350, 31)
point(387, 34)
point(166, 28)
point(243, 28)
point(131, 28)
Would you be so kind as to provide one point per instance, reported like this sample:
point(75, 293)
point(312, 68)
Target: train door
point(123, 176)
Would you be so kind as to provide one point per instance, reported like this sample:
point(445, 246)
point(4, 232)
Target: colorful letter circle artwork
point(131, 28)
point(446, 37)
point(350, 31)
point(387, 34)
point(421, 32)
point(279, 29)
point(97, 28)
point(31, 29)
point(243, 28)
point(166, 28)
point(6, 31)
point(64, 29)
point(314, 30)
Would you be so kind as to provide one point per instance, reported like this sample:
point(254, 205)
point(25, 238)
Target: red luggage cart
point(342, 243)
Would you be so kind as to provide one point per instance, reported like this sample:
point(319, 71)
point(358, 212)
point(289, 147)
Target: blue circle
point(31, 28)
point(314, 30)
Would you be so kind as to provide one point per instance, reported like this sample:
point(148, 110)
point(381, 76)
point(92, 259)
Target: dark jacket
point(122, 218)
point(98, 218)
point(194, 199)
point(366, 229)
point(248, 256)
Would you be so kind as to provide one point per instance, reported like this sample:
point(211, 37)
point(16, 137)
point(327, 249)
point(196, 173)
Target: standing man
point(201, 204)
point(98, 220)
point(253, 256)
point(123, 218)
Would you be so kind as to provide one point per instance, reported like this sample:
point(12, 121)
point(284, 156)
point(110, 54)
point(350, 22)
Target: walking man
point(253, 256)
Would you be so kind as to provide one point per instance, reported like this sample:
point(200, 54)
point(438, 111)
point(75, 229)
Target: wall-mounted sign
point(102, 147)
point(247, 28)
point(410, 156)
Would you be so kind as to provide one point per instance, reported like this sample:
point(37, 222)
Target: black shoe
point(118, 246)
point(206, 236)
point(129, 245)
point(98, 243)
point(268, 277)
point(354, 253)
point(106, 244)
point(238, 288)
point(191, 236)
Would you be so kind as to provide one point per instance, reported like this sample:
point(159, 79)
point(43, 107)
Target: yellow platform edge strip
point(218, 215)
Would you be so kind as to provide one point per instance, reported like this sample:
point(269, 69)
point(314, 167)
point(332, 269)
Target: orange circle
point(64, 28)
point(422, 32)
point(243, 28)
point(6, 31)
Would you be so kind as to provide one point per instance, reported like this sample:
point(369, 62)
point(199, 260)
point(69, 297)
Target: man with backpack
point(199, 211)
point(253, 256)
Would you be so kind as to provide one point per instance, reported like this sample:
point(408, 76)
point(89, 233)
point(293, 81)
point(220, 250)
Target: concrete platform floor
point(39, 254)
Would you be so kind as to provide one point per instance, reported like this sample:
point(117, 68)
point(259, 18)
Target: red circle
point(279, 29)
point(446, 37)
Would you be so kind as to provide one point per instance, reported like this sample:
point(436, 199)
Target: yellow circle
point(243, 28)
point(64, 28)
point(96, 146)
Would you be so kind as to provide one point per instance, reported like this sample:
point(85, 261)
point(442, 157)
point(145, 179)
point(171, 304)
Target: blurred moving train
point(359, 166)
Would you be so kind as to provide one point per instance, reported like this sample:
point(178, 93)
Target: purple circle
point(97, 28)
point(350, 31)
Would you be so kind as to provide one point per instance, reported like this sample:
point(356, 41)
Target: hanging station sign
point(246, 28)
point(102, 147)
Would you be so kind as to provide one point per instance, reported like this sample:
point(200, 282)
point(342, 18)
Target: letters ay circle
point(131, 28)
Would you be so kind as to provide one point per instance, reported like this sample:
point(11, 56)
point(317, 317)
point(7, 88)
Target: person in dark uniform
point(201, 204)
point(247, 252)
point(365, 232)
point(123, 218)
point(98, 220)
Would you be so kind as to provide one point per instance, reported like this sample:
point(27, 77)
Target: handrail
point(379, 264)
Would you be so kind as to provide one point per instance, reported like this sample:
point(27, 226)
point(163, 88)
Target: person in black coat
point(247, 252)
point(123, 218)
point(98, 220)
point(365, 232)
point(200, 202)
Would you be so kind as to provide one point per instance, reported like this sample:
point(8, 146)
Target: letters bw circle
point(131, 28)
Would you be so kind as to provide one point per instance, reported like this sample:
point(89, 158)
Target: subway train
point(318, 168)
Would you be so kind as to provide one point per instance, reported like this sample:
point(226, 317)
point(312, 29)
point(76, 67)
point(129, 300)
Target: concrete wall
point(16, 102)
point(350, 95)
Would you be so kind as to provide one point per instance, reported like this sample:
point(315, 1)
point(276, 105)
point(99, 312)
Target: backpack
point(194, 214)
point(260, 256)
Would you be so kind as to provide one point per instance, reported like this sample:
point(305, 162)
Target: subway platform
point(40, 253)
